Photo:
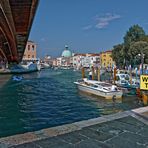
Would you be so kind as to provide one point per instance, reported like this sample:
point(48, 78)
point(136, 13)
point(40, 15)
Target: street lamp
point(142, 60)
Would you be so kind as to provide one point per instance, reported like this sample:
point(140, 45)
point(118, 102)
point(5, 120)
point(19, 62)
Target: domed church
point(66, 53)
point(66, 60)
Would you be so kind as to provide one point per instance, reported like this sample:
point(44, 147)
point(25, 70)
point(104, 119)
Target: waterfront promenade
point(128, 129)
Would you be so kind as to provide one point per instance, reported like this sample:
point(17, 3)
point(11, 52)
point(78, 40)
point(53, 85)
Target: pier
point(123, 129)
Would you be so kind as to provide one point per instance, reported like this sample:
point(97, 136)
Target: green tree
point(135, 42)
point(145, 38)
point(118, 54)
point(134, 34)
point(138, 48)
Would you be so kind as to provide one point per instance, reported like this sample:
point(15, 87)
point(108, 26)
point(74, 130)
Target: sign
point(144, 82)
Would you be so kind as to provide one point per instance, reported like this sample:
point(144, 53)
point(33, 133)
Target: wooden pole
point(93, 73)
point(130, 77)
point(98, 73)
point(83, 72)
point(115, 72)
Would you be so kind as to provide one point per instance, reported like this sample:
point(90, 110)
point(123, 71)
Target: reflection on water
point(45, 99)
point(4, 79)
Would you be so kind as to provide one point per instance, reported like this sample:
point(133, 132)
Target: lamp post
point(142, 60)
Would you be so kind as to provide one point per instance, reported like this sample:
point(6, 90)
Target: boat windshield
point(104, 84)
point(124, 76)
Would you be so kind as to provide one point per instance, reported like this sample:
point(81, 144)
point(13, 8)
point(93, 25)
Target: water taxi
point(98, 88)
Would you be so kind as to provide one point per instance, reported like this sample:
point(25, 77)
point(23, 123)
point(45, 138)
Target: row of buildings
point(76, 60)
point(69, 59)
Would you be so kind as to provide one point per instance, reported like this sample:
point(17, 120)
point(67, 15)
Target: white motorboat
point(45, 66)
point(30, 66)
point(98, 88)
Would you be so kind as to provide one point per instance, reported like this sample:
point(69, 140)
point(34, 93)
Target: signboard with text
point(144, 82)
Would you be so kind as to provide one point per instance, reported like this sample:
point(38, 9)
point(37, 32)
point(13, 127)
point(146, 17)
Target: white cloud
point(104, 20)
point(101, 25)
point(87, 27)
point(43, 39)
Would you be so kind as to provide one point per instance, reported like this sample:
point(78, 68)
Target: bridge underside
point(16, 17)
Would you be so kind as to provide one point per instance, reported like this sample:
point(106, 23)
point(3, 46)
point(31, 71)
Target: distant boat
point(98, 88)
point(65, 67)
point(30, 66)
point(22, 68)
point(45, 66)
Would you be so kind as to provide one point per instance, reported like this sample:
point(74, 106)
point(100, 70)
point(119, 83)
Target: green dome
point(66, 52)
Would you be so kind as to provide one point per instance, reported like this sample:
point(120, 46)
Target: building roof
point(66, 53)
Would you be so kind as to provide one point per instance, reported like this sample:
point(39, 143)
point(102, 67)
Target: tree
point(117, 54)
point(135, 42)
point(136, 48)
point(134, 34)
point(145, 38)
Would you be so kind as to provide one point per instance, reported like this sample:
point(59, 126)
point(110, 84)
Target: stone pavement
point(127, 129)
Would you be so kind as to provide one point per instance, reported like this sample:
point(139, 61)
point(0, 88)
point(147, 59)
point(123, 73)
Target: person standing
point(90, 75)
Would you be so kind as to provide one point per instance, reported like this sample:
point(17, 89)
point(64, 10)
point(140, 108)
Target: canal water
point(46, 99)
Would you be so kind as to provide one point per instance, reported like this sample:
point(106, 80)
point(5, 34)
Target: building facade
point(30, 53)
point(86, 60)
point(106, 59)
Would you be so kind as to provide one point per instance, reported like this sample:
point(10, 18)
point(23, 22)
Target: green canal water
point(46, 99)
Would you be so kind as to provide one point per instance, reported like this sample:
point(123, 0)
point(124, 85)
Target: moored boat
point(123, 82)
point(98, 88)
point(22, 68)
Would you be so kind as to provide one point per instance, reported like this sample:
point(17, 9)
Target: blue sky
point(85, 25)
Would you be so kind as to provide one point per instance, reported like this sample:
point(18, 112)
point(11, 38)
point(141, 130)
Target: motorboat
point(22, 68)
point(45, 65)
point(98, 88)
point(17, 78)
point(123, 82)
point(31, 66)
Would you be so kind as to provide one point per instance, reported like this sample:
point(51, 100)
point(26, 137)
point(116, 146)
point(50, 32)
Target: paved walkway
point(127, 129)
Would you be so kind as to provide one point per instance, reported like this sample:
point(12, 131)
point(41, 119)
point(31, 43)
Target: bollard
point(145, 99)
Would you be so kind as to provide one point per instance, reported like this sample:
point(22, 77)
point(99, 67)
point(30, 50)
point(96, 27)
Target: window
point(28, 56)
point(32, 56)
point(32, 47)
point(28, 47)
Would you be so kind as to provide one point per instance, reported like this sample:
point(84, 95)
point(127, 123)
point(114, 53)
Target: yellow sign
point(144, 82)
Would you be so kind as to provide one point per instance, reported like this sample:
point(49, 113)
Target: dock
point(124, 129)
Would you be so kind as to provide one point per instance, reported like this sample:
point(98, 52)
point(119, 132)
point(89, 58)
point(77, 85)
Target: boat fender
point(114, 98)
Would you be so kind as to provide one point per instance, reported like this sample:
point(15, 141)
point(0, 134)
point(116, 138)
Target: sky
point(86, 26)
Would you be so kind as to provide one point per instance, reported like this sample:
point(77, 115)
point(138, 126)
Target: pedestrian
point(90, 75)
